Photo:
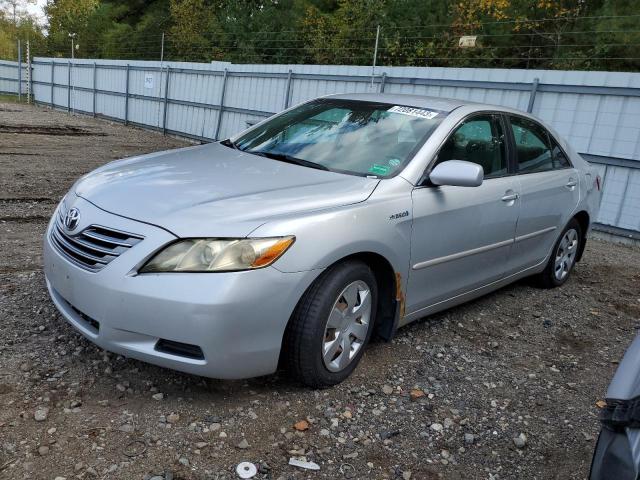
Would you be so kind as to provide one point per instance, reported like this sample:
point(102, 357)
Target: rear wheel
point(331, 325)
point(563, 258)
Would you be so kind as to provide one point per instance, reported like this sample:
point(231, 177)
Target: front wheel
point(331, 326)
point(563, 258)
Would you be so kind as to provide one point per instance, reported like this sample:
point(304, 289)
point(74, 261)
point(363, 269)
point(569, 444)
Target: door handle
point(510, 197)
point(571, 183)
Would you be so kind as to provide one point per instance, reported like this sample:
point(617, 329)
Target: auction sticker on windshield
point(414, 112)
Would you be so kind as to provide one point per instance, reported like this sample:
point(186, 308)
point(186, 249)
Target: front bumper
point(237, 319)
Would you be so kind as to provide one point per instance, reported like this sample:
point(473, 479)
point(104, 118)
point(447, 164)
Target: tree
point(193, 28)
point(16, 24)
point(67, 17)
point(16, 8)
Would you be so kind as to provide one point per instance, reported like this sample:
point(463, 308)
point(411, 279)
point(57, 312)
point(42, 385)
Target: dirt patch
point(520, 360)
point(48, 130)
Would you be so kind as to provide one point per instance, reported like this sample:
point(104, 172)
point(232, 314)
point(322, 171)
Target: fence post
point(29, 76)
point(224, 86)
point(532, 95)
point(126, 98)
point(69, 87)
point(383, 81)
point(166, 93)
point(95, 67)
point(53, 64)
point(19, 71)
point(287, 93)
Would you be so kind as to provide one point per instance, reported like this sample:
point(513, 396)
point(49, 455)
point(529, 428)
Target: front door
point(462, 236)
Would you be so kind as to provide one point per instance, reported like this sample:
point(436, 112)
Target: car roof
point(420, 101)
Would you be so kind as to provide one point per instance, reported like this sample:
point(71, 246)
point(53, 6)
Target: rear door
point(548, 187)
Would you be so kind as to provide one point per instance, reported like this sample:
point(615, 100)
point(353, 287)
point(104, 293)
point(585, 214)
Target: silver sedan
point(294, 242)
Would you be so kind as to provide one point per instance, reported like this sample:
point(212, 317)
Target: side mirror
point(458, 173)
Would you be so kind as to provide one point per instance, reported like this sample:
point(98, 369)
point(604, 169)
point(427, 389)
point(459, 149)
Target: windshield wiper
point(282, 157)
point(230, 144)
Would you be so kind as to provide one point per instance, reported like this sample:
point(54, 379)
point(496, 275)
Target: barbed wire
point(534, 43)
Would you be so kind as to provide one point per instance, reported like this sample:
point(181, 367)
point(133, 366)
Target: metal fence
point(11, 76)
point(598, 112)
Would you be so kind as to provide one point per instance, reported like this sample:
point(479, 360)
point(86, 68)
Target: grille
point(92, 248)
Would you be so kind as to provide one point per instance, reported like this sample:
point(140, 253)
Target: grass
point(12, 98)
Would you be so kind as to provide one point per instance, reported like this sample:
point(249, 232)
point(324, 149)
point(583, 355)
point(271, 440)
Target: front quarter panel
point(381, 224)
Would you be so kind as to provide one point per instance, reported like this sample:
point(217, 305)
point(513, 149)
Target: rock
point(173, 417)
point(201, 444)
point(25, 367)
point(184, 461)
point(416, 394)
point(158, 396)
point(126, 428)
point(40, 415)
point(324, 432)
point(469, 438)
point(387, 389)
point(436, 427)
point(520, 441)
point(406, 475)
point(301, 426)
point(43, 450)
point(243, 445)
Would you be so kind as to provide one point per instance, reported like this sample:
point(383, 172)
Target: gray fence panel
point(597, 112)
point(9, 77)
point(629, 216)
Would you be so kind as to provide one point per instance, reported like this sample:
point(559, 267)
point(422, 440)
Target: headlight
point(218, 255)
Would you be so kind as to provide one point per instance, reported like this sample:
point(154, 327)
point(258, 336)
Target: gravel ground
point(502, 387)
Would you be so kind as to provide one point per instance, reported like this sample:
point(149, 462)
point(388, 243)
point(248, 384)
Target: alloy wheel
point(566, 254)
point(347, 326)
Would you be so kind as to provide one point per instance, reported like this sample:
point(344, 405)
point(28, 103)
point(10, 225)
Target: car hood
point(213, 190)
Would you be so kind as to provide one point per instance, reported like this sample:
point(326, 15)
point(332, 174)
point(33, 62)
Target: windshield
point(359, 138)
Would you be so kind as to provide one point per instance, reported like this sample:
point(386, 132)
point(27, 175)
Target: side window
point(478, 140)
point(560, 160)
point(533, 150)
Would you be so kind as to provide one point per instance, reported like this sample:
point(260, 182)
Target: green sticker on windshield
point(379, 169)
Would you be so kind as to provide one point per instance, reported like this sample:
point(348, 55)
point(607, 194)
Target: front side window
point(480, 140)
point(533, 150)
point(347, 136)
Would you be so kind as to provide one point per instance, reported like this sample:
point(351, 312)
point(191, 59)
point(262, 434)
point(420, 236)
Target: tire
point(554, 275)
point(311, 338)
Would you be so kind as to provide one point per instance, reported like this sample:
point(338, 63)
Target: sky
point(37, 9)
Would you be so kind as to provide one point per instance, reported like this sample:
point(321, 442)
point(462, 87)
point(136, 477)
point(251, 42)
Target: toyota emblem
point(71, 219)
